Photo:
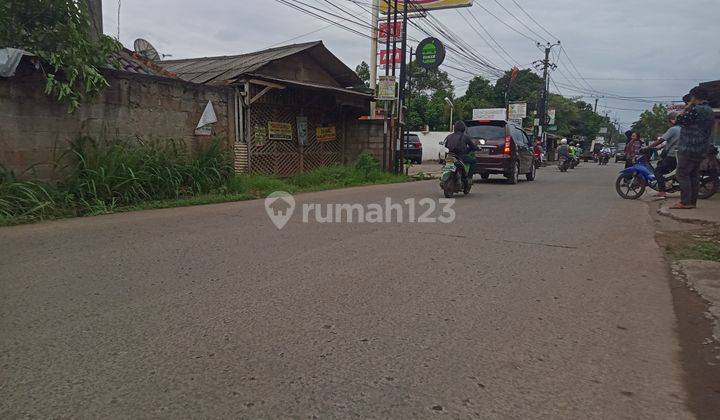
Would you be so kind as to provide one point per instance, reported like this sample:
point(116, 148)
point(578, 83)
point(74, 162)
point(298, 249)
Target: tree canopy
point(652, 124)
point(59, 33)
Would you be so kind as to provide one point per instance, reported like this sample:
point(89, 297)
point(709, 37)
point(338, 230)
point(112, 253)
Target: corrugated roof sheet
point(226, 68)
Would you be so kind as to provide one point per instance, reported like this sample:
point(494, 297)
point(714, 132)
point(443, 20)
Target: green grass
point(109, 177)
point(695, 245)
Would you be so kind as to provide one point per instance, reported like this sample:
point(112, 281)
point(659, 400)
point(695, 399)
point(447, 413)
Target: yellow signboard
point(280, 131)
point(325, 134)
point(422, 5)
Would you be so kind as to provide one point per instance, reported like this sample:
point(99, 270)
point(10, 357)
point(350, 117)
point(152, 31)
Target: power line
point(535, 21)
point(301, 36)
point(534, 41)
point(338, 24)
point(486, 41)
point(472, 15)
point(520, 22)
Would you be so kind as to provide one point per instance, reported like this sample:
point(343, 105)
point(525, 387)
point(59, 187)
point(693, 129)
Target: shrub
point(109, 174)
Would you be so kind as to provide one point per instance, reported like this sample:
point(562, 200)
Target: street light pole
point(452, 109)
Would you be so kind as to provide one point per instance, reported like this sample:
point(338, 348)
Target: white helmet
point(563, 141)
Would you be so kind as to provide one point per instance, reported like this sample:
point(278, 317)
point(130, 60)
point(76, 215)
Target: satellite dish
point(146, 50)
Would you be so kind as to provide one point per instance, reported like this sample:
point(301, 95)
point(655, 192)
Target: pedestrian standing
point(696, 124)
point(632, 148)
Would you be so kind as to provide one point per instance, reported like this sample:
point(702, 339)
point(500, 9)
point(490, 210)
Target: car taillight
point(507, 150)
point(418, 145)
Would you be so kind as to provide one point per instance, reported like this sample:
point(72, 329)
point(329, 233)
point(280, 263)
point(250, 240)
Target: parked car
point(505, 149)
point(620, 153)
point(413, 148)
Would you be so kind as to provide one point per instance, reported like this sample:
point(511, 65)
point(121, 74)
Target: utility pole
point(375, 17)
point(596, 103)
point(542, 114)
point(96, 19)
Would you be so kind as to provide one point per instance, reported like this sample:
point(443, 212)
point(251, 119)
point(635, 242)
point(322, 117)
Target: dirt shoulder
point(692, 250)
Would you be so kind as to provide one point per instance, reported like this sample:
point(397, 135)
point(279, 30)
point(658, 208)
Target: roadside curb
point(701, 277)
point(665, 212)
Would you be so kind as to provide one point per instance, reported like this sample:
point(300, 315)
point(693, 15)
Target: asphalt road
point(548, 299)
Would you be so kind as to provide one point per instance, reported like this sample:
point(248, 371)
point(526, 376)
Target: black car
point(413, 149)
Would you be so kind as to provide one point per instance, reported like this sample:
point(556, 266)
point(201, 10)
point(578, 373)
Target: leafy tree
point(363, 71)
point(526, 87)
point(426, 102)
point(652, 124)
point(59, 33)
point(480, 94)
point(429, 82)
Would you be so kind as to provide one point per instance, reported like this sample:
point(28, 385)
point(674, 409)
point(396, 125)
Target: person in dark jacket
point(461, 145)
point(696, 124)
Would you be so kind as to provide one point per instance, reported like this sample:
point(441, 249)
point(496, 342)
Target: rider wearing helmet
point(573, 150)
point(461, 145)
point(564, 149)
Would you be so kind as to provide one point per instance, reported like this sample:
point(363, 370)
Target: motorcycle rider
point(668, 163)
point(461, 145)
point(572, 150)
point(564, 150)
point(605, 153)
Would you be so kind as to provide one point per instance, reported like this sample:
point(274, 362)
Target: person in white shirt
point(668, 162)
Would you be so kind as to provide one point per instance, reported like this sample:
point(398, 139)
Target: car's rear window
point(412, 138)
point(487, 132)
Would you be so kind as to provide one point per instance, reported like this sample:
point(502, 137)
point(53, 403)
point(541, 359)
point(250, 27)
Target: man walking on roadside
point(696, 126)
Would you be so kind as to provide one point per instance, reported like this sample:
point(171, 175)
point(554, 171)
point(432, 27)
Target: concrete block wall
point(35, 129)
point(364, 136)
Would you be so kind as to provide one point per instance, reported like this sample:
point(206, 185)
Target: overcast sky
point(605, 39)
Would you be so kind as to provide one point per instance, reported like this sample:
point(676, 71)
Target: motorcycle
point(564, 163)
point(453, 177)
point(604, 159)
point(574, 162)
point(633, 181)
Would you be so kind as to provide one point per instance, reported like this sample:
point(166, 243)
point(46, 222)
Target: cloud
point(610, 39)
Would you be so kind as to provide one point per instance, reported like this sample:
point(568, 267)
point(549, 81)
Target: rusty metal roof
point(225, 69)
point(130, 62)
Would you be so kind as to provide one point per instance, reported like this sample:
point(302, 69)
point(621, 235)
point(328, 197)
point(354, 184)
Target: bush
point(103, 177)
point(30, 200)
point(106, 175)
point(367, 165)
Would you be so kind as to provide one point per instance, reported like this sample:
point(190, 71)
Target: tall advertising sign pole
point(375, 11)
point(402, 114)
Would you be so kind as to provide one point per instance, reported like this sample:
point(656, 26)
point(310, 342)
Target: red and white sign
point(390, 57)
point(395, 32)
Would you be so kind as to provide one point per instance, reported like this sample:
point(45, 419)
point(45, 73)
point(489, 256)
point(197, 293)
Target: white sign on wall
point(490, 114)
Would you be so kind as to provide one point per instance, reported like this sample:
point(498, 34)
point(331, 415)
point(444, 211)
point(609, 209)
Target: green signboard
point(430, 53)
